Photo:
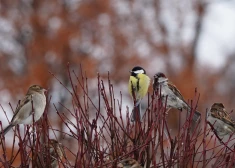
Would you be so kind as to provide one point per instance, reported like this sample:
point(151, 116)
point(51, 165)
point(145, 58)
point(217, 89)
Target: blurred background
point(191, 41)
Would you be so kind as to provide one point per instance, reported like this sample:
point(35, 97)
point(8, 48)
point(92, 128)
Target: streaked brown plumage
point(220, 120)
point(129, 163)
point(50, 155)
point(171, 95)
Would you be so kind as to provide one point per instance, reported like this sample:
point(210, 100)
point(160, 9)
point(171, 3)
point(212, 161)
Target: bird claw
point(167, 111)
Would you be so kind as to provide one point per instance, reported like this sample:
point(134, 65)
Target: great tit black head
point(137, 70)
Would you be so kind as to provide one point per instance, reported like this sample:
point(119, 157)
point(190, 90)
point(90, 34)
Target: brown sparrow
point(220, 120)
point(172, 94)
point(33, 105)
point(129, 163)
point(50, 155)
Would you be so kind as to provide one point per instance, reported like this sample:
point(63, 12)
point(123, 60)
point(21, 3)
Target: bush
point(97, 134)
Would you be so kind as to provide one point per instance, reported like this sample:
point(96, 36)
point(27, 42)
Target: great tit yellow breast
point(140, 85)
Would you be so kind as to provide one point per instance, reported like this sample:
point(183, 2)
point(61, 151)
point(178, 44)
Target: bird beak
point(130, 71)
point(44, 90)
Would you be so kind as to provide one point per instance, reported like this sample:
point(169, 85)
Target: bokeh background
point(191, 41)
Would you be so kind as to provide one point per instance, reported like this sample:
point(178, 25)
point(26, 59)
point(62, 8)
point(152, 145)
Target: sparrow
point(172, 94)
point(129, 163)
point(138, 84)
point(50, 155)
point(32, 105)
point(221, 121)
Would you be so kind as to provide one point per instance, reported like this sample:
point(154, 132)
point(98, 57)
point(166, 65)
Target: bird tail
point(196, 116)
point(7, 129)
point(136, 113)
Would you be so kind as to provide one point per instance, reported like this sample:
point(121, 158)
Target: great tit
point(138, 88)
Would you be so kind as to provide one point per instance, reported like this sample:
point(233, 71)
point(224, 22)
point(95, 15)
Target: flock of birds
point(32, 106)
point(139, 82)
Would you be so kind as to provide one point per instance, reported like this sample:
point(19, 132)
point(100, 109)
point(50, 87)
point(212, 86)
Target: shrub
point(97, 134)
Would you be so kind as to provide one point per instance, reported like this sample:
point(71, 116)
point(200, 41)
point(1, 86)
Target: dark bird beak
point(45, 91)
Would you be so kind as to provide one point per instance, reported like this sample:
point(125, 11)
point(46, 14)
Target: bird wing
point(223, 116)
point(23, 102)
point(132, 84)
point(176, 91)
point(227, 119)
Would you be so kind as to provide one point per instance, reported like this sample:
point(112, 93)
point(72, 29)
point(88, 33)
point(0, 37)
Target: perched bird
point(33, 105)
point(172, 94)
point(138, 84)
point(220, 120)
point(50, 155)
point(129, 163)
